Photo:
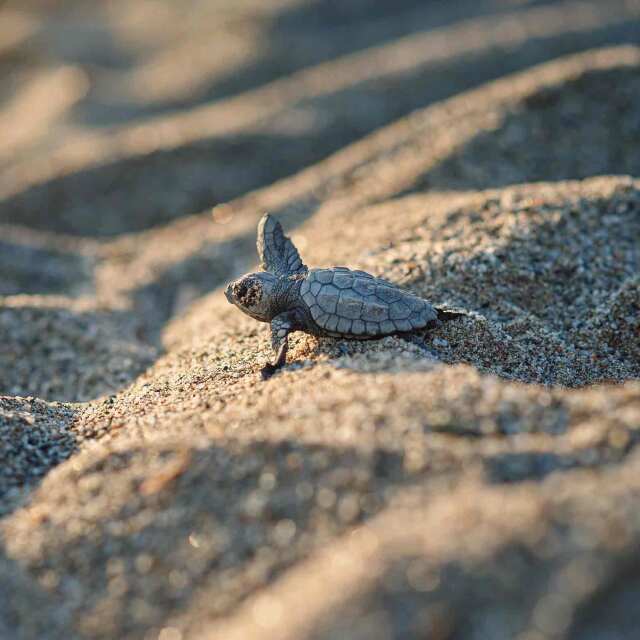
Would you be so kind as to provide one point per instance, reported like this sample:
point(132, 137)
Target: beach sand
point(482, 155)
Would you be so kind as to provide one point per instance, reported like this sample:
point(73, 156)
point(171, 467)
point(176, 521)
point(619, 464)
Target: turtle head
point(254, 294)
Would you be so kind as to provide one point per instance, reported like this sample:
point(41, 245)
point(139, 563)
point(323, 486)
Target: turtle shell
point(355, 304)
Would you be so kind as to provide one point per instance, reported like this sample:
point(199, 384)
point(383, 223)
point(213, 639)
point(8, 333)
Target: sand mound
point(57, 353)
point(616, 325)
point(34, 437)
point(540, 266)
point(533, 140)
point(154, 487)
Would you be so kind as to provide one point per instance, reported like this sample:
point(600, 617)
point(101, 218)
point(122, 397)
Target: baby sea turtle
point(334, 302)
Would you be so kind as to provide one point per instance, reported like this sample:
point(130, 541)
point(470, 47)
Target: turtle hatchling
point(336, 302)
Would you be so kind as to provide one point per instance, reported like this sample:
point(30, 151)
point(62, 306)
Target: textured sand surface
point(484, 155)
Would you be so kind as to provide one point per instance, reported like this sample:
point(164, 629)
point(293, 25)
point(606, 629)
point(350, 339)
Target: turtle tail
point(445, 315)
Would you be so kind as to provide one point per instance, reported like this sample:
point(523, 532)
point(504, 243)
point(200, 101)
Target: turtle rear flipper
point(446, 315)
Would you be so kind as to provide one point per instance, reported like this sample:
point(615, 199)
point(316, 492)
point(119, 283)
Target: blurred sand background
point(483, 154)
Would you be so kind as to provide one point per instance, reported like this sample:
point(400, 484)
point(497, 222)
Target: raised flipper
point(277, 253)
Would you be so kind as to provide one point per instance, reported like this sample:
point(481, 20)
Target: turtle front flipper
point(277, 253)
point(281, 326)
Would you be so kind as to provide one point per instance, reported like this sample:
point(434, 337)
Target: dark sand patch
point(536, 140)
point(58, 353)
point(35, 436)
point(550, 272)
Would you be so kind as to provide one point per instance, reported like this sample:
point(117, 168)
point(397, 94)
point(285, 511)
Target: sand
point(483, 155)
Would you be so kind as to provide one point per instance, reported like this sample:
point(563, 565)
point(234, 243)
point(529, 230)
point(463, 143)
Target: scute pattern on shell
point(354, 303)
